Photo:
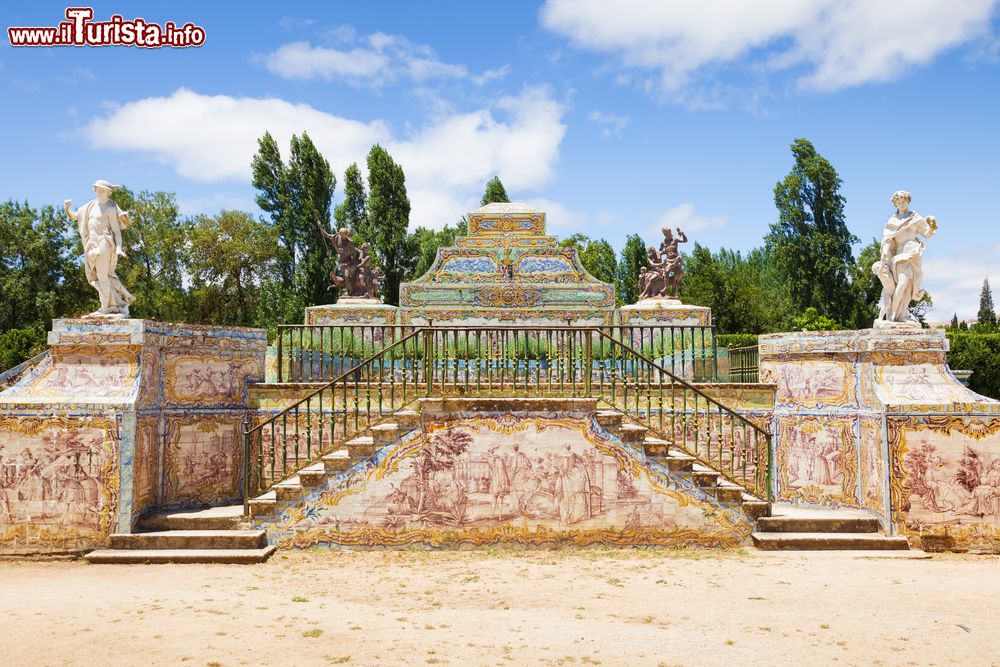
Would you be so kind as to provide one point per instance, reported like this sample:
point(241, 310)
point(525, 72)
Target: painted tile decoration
point(508, 479)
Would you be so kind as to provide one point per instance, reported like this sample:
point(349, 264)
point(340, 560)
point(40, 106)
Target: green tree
point(156, 248)
point(599, 260)
point(427, 242)
point(745, 292)
point(352, 213)
point(954, 321)
point(389, 217)
point(986, 317)
point(270, 178)
point(310, 184)
point(813, 320)
point(810, 241)
point(633, 260)
point(41, 276)
point(231, 255)
point(866, 286)
point(495, 192)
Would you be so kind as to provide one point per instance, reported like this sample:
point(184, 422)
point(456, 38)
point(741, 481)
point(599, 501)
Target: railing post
point(770, 474)
point(588, 359)
point(245, 482)
point(428, 360)
point(281, 373)
point(715, 357)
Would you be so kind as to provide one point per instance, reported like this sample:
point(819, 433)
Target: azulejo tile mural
point(501, 478)
point(122, 415)
point(876, 420)
point(507, 264)
point(59, 481)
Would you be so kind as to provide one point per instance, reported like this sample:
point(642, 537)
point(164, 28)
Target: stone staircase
point(211, 535)
point(793, 528)
point(405, 421)
point(678, 461)
point(334, 463)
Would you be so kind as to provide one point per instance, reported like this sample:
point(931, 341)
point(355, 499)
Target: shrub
point(979, 353)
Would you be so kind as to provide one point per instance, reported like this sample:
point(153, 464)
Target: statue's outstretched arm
point(67, 205)
point(681, 237)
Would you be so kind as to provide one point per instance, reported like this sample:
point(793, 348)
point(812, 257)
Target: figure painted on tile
point(100, 223)
point(574, 488)
point(900, 268)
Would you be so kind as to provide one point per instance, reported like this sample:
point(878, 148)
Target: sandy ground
point(496, 607)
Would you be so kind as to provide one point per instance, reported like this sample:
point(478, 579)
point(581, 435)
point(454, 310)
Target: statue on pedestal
point(355, 274)
point(663, 278)
point(900, 268)
point(100, 223)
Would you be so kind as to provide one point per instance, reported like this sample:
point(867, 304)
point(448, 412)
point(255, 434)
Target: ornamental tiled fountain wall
point(875, 420)
point(121, 416)
point(525, 477)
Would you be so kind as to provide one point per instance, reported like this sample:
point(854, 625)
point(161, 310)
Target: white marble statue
point(100, 223)
point(901, 267)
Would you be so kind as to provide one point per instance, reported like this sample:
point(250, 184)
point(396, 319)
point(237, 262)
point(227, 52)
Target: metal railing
point(508, 361)
point(320, 352)
point(744, 364)
point(690, 419)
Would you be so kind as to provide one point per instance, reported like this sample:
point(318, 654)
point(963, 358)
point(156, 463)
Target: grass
point(315, 632)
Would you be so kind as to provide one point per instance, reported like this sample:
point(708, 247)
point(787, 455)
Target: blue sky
point(613, 117)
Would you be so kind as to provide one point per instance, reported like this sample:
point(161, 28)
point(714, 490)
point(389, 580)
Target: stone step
point(703, 476)
point(290, 489)
point(610, 420)
point(313, 475)
point(827, 541)
point(337, 461)
point(755, 509)
point(655, 446)
point(224, 517)
point(725, 492)
point(632, 433)
point(785, 524)
point(361, 447)
point(230, 556)
point(407, 420)
point(384, 434)
point(263, 505)
point(190, 539)
point(679, 462)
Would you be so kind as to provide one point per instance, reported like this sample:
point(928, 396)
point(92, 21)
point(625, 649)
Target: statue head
point(104, 189)
point(344, 231)
point(651, 251)
point(901, 200)
point(667, 234)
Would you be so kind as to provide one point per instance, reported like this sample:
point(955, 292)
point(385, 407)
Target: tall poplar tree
point(987, 315)
point(633, 260)
point(310, 184)
point(810, 241)
point(389, 218)
point(352, 212)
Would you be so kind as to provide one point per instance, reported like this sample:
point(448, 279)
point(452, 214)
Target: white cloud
point(447, 162)
point(954, 282)
point(372, 60)
point(831, 43)
point(559, 219)
point(683, 216)
point(613, 124)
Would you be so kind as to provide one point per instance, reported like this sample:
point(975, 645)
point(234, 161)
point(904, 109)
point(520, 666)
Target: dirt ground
point(497, 607)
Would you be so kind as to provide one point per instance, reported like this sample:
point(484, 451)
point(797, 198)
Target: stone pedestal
point(122, 415)
point(665, 311)
point(875, 419)
point(353, 311)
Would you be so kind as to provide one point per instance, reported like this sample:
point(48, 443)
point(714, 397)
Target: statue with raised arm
point(900, 268)
point(663, 277)
point(100, 223)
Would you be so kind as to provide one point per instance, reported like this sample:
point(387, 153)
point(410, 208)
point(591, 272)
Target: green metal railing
point(526, 361)
point(320, 352)
point(744, 364)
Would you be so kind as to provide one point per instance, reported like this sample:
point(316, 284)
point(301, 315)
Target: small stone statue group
point(355, 273)
point(664, 275)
